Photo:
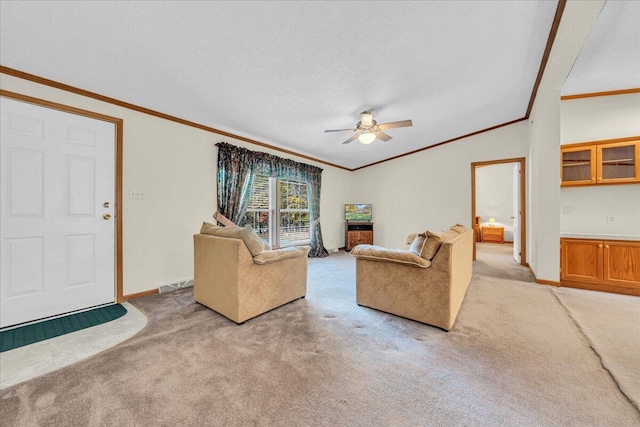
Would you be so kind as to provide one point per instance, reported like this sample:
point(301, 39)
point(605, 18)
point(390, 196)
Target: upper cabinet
point(601, 163)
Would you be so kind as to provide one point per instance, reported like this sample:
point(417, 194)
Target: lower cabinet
point(358, 233)
point(355, 238)
point(605, 265)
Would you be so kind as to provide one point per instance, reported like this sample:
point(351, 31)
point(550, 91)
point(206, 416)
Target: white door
point(516, 212)
point(57, 180)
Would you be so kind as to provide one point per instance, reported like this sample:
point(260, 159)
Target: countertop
point(594, 236)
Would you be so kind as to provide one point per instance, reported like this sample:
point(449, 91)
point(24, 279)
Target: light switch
point(136, 194)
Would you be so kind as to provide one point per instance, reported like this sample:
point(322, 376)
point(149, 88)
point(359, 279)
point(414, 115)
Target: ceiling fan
point(367, 129)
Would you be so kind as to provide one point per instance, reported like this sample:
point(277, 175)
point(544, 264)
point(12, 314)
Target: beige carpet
point(514, 357)
point(611, 322)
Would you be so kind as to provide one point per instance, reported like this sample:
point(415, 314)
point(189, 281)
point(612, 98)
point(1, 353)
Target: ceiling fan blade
point(382, 136)
point(338, 130)
point(350, 139)
point(391, 125)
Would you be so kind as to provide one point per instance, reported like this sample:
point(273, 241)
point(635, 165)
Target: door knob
point(106, 217)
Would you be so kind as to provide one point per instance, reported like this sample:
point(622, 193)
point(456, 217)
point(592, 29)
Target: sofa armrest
point(269, 256)
point(377, 253)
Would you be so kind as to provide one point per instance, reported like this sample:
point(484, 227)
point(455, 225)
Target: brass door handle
point(107, 217)
point(106, 204)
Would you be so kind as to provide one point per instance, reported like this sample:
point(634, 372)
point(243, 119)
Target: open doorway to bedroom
point(498, 203)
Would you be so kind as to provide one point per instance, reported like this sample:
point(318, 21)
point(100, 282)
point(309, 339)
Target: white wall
point(494, 196)
point(543, 176)
point(602, 117)
point(175, 165)
point(544, 187)
point(593, 119)
point(431, 189)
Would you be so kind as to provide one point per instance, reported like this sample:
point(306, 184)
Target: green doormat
point(29, 334)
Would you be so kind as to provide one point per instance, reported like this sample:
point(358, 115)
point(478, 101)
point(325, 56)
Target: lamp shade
point(367, 137)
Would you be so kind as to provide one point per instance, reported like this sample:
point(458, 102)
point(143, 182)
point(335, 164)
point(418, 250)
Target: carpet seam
point(593, 349)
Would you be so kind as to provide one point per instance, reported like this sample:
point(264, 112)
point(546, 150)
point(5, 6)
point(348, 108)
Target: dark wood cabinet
point(357, 233)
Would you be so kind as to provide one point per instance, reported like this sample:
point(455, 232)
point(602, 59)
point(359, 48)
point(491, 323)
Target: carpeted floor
point(514, 357)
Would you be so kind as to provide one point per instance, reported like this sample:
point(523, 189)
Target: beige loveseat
point(401, 282)
point(230, 280)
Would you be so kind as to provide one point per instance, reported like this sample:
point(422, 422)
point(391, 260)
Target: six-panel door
point(57, 238)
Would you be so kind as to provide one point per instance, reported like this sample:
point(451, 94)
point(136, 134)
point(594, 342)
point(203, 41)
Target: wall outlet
point(611, 219)
point(136, 194)
point(568, 210)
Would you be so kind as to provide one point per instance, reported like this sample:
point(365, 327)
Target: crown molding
point(144, 110)
point(596, 94)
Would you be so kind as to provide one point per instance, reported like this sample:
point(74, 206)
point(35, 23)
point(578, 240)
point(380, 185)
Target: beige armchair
point(228, 280)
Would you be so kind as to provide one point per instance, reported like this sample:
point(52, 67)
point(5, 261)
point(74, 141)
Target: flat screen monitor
point(357, 212)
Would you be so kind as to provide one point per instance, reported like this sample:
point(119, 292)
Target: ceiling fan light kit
point(367, 137)
point(367, 129)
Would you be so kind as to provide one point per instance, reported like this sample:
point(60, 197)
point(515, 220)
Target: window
point(279, 211)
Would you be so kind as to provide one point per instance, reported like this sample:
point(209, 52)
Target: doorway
point(61, 209)
point(502, 222)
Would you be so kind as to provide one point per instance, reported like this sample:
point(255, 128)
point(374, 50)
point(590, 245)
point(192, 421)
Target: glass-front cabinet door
point(578, 165)
point(618, 163)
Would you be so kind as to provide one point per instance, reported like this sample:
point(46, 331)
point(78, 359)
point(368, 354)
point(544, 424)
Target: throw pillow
point(431, 245)
point(258, 243)
point(418, 244)
point(226, 222)
point(449, 234)
point(207, 226)
point(459, 228)
point(252, 241)
point(411, 238)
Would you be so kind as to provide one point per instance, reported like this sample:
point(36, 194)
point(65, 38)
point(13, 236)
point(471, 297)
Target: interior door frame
point(523, 199)
point(118, 123)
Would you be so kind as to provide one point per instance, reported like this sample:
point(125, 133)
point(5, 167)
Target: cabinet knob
point(600, 245)
point(606, 246)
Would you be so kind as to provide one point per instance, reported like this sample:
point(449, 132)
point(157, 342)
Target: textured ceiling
point(610, 58)
point(282, 72)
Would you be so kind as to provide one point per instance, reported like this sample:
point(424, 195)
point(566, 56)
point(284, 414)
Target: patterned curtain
point(317, 247)
point(235, 181)
point(252, 163)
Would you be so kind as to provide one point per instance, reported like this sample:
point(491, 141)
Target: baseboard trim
point(139, 295)
point(601, 288)
point(548, 282)
point(542, 281)
point(587, 286)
